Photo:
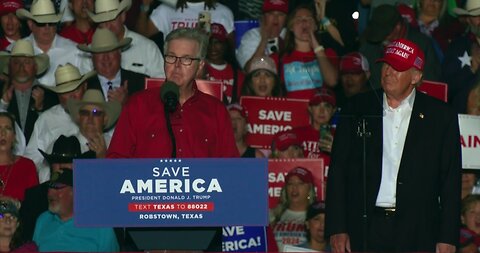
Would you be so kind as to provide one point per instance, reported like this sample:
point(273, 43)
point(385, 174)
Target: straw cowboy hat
point(24, 48)
point(106, 10)
point(68, 78)
point(472, 8)
point(95, 97)
point(104, 40)
point(42, 11)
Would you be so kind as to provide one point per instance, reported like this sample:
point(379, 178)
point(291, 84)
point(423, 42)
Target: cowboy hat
point(24, 48)
point(68, 78)
point(95, 97)
point(64, 150)
point(104, 40)
point(106, 10)
point(472, 8)
point(41, 11)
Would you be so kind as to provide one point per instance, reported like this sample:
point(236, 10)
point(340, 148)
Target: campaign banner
point(213, 88)
point(267, 116)
point(437, 90)
point(279, 168)
point(244, 239)
point(170, 192)
point(470, 140)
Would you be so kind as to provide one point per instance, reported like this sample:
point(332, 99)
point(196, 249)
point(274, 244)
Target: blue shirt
point(53, 234)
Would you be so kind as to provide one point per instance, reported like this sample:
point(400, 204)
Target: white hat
point(104, 40)
point(41, 11)
point(472, 8)
point(106, 10)
point(68, 78)
point(24, 48)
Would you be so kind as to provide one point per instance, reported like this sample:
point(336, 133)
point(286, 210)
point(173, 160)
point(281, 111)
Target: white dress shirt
point(395, 127)
point(49, 126)
point(116, 83)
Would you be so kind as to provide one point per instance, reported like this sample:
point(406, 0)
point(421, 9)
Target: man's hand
point(445, 248)
point(97, 144)
point(38, 94)
point(7, 95)
point(119, 94)
point(340, 243)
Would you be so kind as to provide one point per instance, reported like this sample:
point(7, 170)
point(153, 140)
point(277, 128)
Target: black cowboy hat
point(65, 149)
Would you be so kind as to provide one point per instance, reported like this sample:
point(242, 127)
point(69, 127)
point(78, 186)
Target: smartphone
point(272, 46)
point(204, 21)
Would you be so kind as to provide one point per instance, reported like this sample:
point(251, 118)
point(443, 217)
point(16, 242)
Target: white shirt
point(395, 127)
point(116, 83)
point(167, 19)
point(61, 52)
point(142, 56)
point(249, 44)
point(49, 126)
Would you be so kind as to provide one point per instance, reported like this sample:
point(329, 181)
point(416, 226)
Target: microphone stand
point(170, 131)
point(364, 134)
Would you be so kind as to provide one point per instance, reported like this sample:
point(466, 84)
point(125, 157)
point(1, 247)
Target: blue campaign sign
point(170, 192)
point(244, 239)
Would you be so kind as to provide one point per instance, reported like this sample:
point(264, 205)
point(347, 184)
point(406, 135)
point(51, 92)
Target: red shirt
point(4, 43)
point(19, 177)
point(72, 33)
point(309, 137)
point(201, 126)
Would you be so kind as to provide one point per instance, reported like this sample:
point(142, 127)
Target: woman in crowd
point(315, 225)
point(287, 220)
point(286, 145)
point(470, 230)
point(10, 228)
point(238, 115)
point(17, 173)
point(262, 79)
point(306, 65)
point(12, 27)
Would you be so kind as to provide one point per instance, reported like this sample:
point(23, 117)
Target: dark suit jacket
point(34, 204)
point(136, 81)
point(50, 99)
point(429, 177)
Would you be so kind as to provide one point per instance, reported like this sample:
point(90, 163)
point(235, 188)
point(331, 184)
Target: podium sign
point(170, 192)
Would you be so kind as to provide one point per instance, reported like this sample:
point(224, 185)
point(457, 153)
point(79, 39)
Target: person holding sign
point(288, 218)
point(394, 180)
point(286, 145)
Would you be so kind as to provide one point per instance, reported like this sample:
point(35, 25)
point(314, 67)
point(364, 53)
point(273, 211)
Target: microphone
point(169, 94)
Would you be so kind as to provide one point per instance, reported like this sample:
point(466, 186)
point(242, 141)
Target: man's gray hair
point(190, 34)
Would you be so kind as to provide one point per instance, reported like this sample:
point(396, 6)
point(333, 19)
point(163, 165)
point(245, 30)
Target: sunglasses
point(57, 186)
point(45, 24)
point(93, 113)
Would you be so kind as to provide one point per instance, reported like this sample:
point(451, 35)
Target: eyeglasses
point(172, 59)
point(4, 217)
point(45, 24)
point(94, 113)
point(56, 186)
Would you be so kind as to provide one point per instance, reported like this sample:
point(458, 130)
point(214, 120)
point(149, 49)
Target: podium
point(172, 204)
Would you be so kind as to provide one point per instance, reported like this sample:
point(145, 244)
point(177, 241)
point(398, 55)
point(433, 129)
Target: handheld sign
point(278, 170)
point(437, 90)
point(170, 192)
point(267, 116)
point(213, 88)
point(470, 140)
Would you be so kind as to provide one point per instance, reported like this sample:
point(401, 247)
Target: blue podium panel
point(170, 192)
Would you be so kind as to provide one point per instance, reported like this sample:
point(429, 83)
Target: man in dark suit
point(404, 196)
point(22, 95)
point(65, 149)
point(115, 82)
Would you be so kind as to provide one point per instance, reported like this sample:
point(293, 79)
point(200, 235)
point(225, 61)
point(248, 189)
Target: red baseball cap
point(283, 140)
point(354, 63)
point(275, 5)
point(237, 107)
point(10, 6)
point(218, 32)
point(302, 173)
point(402, 55)
point(324, 95)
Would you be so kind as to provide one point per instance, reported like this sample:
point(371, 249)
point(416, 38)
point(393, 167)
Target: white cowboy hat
point(41, 11)
point(104, 40)
point(24, 48)
point(472, 8)
point(95, 97)
point(68, 78)
point(106, 10)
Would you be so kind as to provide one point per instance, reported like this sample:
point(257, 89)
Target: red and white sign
point(435, 89)
point(278, 170)
point(267, 116)
point(214, 88)
point(470, 140)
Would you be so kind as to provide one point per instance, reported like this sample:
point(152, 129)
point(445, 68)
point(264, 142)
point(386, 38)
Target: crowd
point(72, 86)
